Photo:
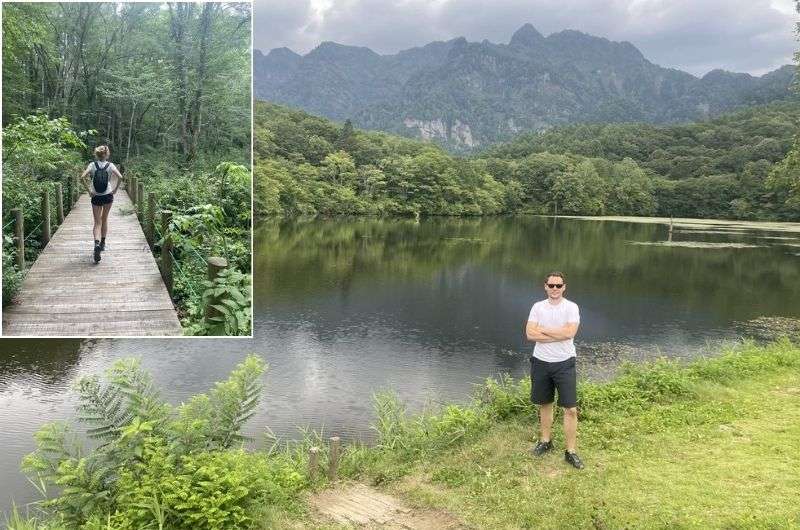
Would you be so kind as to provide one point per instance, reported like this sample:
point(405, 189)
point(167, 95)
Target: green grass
point(735, 470)
point(713, 444)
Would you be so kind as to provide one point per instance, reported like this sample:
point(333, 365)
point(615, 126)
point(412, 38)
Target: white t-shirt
point(111, 169)
point(554, 316)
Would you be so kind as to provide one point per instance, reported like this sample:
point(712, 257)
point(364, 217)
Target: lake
point(347, 307)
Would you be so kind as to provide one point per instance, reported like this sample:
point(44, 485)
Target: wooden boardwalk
point(67, 294)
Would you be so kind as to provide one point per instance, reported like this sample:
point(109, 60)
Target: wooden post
point(140, 200)
point(670, 228)
point(132, 190)
point(150, 228)
point(45, 217)
point(76, 190)
point(19, 236)
point(215, 266)
point(60, 202)
point(166, 249)
point(313, 464)
point(333, 462)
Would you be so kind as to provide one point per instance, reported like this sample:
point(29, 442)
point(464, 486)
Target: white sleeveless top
point(111, 177)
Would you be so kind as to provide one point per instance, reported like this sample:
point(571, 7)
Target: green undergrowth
point(39, 153)
point(667, 445)
point(708, 444)
point(211, 217)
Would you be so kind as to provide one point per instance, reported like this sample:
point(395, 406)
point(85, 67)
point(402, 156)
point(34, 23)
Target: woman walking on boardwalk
point(102, 185)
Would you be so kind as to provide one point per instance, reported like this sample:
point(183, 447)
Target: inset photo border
point(127, 188)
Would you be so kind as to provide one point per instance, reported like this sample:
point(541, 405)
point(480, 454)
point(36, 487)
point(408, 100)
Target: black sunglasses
point(555, 285)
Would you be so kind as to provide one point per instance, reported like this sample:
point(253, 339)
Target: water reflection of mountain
point(302, 262)
point(50, 361)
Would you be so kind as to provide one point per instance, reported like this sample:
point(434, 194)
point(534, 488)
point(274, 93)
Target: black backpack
point(100, 178)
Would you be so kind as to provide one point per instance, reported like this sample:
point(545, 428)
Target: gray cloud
point(752, 36)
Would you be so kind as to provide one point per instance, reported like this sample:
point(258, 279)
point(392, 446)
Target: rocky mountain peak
point(329, 50)
point(527, 35)
point(281, 53)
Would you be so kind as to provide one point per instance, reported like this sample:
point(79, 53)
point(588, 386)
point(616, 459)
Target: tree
point(345, 141)
point(339, 169)
point(630, 190)
point(784, 179)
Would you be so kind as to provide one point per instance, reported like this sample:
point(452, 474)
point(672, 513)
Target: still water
point(348, 307)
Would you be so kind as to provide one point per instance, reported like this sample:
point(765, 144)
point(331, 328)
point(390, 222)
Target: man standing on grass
point(552, 324)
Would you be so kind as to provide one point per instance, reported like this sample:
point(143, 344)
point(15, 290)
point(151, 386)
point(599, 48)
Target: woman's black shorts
point(100, 200)
point(547, 377)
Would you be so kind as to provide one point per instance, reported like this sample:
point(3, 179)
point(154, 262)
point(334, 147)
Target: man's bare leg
point(545, 422)
point(571, 428)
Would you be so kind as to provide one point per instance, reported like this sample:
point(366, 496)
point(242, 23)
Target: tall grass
point(638, 389)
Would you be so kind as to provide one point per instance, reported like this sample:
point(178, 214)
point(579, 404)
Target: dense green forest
point(167, 88)
point(739, 166)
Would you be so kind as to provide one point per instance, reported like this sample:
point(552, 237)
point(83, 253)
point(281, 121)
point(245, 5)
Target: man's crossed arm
point(536, 333)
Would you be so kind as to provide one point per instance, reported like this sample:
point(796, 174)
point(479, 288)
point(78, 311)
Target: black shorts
point(100, 200)
point(547, 377)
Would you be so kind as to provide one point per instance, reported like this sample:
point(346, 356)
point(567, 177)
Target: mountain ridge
point(467, 95)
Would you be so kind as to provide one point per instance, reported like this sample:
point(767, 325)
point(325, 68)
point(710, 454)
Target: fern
point(215, 420)
point(126, 414)
point(103, 407)
point(111, 407)
point(237, 399)
point(143, 399)
point(87, 487)
point(55, 444)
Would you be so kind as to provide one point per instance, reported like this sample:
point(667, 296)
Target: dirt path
point(364, 507)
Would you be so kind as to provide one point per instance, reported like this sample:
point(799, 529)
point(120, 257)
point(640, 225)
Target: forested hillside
point(167, 88)
point(738, 166)
point(718, 168)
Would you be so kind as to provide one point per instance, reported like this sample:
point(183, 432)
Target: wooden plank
point(44, 307)
point(66, 294)
point(123, 285)
point(92, 299)
point(113, 329)
point(90, 316)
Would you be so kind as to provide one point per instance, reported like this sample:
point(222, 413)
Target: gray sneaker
point(541, 448)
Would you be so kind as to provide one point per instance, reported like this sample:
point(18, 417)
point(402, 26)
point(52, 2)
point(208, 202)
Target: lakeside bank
point(666, 445)
point(710, 444)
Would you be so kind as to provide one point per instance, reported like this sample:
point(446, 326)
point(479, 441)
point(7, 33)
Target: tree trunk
point(178, 21)
point(195, 113)
point(130, 132)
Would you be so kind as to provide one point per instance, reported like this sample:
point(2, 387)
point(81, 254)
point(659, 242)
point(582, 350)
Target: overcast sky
point(753, 36)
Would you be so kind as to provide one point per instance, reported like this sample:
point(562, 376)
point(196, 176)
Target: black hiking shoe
point(97, 250)
point(541, 448)
point(102, 245)
point(573, 459)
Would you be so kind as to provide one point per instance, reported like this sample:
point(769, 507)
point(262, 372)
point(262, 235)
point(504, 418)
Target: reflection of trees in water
point(51, 360)
point(301, 258)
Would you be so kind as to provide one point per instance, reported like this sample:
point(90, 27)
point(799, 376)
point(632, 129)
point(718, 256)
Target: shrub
point(12, 278)
point(160, 467)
